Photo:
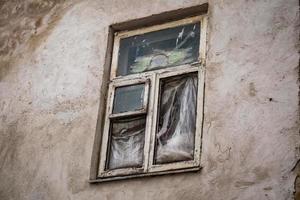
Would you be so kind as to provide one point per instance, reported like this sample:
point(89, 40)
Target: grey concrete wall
point(51, 58)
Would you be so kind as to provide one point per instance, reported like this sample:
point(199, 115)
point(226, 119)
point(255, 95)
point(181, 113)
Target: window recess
point(154, 104)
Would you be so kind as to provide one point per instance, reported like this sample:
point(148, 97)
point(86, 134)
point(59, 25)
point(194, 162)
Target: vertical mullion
point(149, 123)
point(146, 94)
point(154, 104)
point(147, 99)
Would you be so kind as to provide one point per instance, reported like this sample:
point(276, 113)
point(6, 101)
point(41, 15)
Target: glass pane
point(176, 127)
point(159, 49)
point(127, 142)
point(129, 98)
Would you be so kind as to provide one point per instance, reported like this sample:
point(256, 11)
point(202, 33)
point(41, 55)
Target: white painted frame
point(125, 34)
point(105, 137)
point(150, 109)
point(117, 84)
point(183, 164)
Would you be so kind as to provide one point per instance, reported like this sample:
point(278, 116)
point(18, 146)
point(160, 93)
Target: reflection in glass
point(176, 127)
point(127, 142)
point(129, 98)
point(159, 49)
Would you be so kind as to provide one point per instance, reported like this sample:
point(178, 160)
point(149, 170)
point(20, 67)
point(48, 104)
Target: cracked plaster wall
point(51, 58)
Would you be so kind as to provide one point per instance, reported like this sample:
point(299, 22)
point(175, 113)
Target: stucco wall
point(51, 58)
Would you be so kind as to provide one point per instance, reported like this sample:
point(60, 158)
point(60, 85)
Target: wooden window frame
point(151, 80)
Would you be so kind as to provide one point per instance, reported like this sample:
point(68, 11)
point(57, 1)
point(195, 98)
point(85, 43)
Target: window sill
point(107, 179)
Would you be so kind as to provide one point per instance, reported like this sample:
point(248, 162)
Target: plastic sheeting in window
point(177, 119)
point(127, 142)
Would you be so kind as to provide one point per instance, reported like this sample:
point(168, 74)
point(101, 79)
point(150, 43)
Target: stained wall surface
point(51, 65)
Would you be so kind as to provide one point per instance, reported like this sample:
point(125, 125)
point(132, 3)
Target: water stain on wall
point(261, 173)
point(4, 68)
point(9, 144)
point(23, 26)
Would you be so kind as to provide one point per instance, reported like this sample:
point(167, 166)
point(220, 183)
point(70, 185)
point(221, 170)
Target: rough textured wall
point(51, 58)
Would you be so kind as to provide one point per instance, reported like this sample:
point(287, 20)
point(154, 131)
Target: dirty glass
point(129, 98)
point(159, 49)
point(127, 137)
point(176, 127)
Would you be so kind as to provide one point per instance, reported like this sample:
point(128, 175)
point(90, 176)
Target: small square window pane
point(129, 98)
point(159, 49)
point(127, 138)
point(176, 126)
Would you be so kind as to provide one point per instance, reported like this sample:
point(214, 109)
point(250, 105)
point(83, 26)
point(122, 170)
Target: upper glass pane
point(159, 49)
point(129, 98)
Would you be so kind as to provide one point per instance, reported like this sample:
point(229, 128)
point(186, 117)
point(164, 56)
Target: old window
point(153, 116)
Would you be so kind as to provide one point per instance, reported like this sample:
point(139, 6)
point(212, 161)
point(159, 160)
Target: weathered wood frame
point(184, 164)
point(115, 84)
point(151, 99)
point(105, 138)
